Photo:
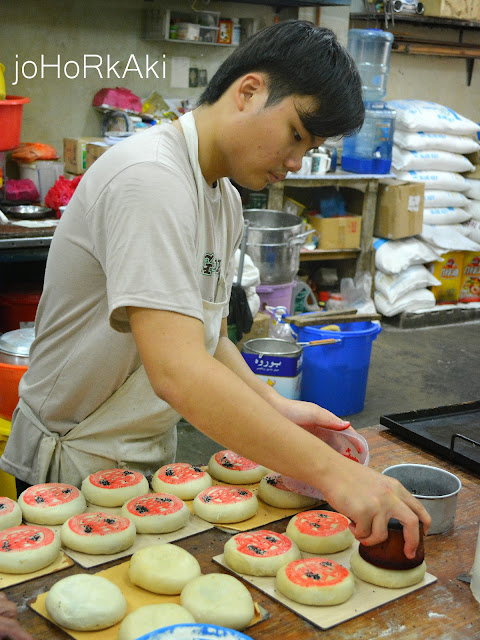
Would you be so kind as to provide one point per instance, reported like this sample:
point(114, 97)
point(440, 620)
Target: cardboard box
point(459, 9)
point(75, 154)
point(399, 209)
point(260, 328)
point(337, 233)
point(94, 151)
point(475, 160)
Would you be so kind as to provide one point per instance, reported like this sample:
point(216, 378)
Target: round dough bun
point(151, 617)
point(113, 487)
point(10, 514)
point(163, 568)
point(315, 581)
point(320, 531)
point(259, 553)
point(156, 513)
point(51, 503)
point(98, 533)
point(27, 548)
point(225, 504)
point(216, 598)
point(275, 493)
point(228, 466)
point(390, 578)
point(85, 603)
point(181, 479)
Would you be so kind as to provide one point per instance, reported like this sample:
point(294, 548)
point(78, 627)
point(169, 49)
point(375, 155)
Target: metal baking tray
point(451, 432)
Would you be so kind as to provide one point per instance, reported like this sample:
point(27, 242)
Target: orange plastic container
point(10, 375)
point(11, 111)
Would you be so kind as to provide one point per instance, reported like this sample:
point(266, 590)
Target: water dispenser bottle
point(370, 150)
point(371, 48)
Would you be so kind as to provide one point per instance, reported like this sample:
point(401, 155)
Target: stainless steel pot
point(274, 242)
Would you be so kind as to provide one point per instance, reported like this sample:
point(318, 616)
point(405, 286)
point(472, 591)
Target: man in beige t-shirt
point(140, 271)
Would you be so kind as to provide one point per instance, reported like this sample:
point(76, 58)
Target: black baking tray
point(451, 432)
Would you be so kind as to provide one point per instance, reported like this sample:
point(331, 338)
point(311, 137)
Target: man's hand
point(10, 628)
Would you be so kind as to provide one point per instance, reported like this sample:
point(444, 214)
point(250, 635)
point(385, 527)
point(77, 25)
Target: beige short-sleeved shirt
point(127, 238)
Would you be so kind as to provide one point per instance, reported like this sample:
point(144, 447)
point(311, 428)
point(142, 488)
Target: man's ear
point(250, 91)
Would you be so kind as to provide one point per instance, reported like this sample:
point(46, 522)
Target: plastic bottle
point(371, 49)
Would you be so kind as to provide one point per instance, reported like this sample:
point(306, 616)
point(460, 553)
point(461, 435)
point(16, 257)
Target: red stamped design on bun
point(233, 461)
point(315, 572)
point(154, 504)
point(50, 494)
point(97, 524)
point(24, 538)
point(6, 506)
point(262, 544)
point(179, 473)
point(224, 495)
point(115, 478)
point(320, 523)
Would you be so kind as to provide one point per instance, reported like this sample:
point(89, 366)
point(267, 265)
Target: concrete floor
point(409, 369)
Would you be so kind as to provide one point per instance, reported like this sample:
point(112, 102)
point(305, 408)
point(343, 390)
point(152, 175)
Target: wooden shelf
point(425, 21)
point(322, 254)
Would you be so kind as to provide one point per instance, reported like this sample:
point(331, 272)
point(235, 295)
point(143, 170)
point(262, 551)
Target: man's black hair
point(301, 59)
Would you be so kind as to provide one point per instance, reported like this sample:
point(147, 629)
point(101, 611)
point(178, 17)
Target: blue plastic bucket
point(335, 375)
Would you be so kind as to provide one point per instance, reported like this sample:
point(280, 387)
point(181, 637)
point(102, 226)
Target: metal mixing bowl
point(29, 211)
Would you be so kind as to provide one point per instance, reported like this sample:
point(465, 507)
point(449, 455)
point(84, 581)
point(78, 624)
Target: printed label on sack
point(6, 506)
point(320, 523)
point(233, 461)
point(115, 478)
point(25, 538)
point(264, 544)
point(154, 504)
point(179, 473)
point(97, 524)
point(315, 572)
point(51, 494)
point(224, 495)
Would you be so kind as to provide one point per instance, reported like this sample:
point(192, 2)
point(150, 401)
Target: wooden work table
point(445, 609)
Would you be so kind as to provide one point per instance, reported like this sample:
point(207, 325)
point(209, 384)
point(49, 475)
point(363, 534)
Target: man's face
point(269, 142)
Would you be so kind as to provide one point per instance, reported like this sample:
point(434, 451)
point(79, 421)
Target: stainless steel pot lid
point(18, 342)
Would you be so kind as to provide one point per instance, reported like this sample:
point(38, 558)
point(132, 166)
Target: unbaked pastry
point(228, 466)
point(181, 479)
point(216, 598)
point(320, 531)
point(113, 487)
point(51, 503)
point(273, 492)
point(98, 533)
point(222, 504)
point(315, 581)
point(85, 603)
point(163, 568)
point(390, 578)
point(27, 548)
point(259, 553)
point(151, 617)
point(156, 513)
point(10, 514)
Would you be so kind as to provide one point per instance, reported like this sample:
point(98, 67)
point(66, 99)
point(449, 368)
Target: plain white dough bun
point(315, 581)
point(163, 568)
point(220, 504)
point(228, 466)
point(259, 553)
point(216, 598)
point(10, 514)
point(151, 617)
point(85, 603)
point(156, 513)
point(181, 479)
point(273, 492)
point(51, 503)
point(98, 533)
point(28, 548)
point(320, 531)
point(113, 487)
point(390, 578)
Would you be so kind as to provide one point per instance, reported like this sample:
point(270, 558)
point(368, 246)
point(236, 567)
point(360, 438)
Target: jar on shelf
point(225, 29)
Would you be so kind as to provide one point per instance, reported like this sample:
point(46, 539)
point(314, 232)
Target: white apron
point(134, 428)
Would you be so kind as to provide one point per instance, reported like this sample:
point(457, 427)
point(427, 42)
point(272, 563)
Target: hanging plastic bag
point(278, 328)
